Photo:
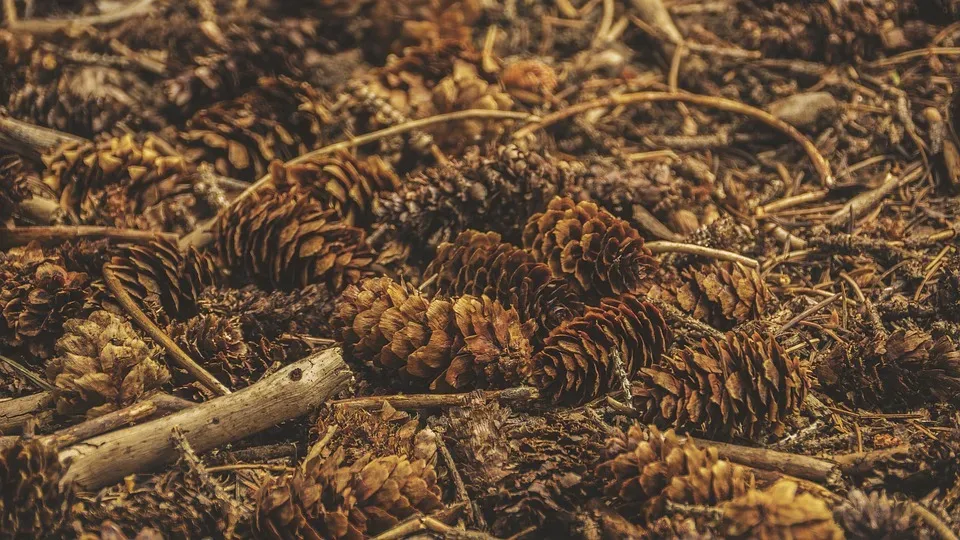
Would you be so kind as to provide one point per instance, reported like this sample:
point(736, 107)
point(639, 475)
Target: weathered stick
point(289, 393)
point(31, 141)
point(693, 249)
point(48, 26)
point(428, 401)
point(15, 412)
point(21, 236)
point(863, 203)
point(806, 467)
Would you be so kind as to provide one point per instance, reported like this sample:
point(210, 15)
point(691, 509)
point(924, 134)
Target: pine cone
point(465, 89)
point(15, 178)
point(600, 252)
point(778, 512)
point(494, 193)
point(874, 517)
point(32, 502)
point(217, 343)
point(619, 187)
point(342, 182)
point(381, 433)
point(328, 500)
point(480, 264)
point(741, 385)
point(442, 345)
point(907, 369)
point(723, 294)
point(166, 281)
point(279, 119)
point(103, 365)
point(645, 468)
point(37, 294)
point(113, 182)
point(286, 240)
point(600, 351)
point(109, 530)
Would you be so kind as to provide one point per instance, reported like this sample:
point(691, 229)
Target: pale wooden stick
point(24, 235)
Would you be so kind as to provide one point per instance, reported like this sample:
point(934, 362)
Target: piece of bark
point(15, 412)
point(289, 393)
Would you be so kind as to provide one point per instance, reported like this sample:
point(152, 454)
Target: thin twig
point(681, 318)
point(693, 249)
point(821, 165)
point(429, 401)
point(932, 520)
point(807, 312)
point(29, 375)
point(200, 236)
point(461, 489)
point(24, 235)
point(48, 26)
point(173, 350)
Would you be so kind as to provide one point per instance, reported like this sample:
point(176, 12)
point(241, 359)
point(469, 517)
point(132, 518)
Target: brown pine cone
point(497, 193)
point(217, 343)
point(342, 182)
point(645, 468)
point(588, 245)
point(907, 369)
point(600, 351)
point(15, 179)
point(875, 517)
point(442, 345)
point(103, 365)
point(480, 264)
point(381, 432)
point(163, 279)
point(32, 502)
point(284, 240)
point(115, 181)
point(723, 294)
point(278, 119)
point(743, 385)
point(462, 90)
point(37, 294)
point(778, 512)
point(328, 500)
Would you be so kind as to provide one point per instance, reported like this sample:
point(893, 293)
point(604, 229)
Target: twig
point(429, 401)
point(806, 313)
point(24, 235)
point(48, 26)
point(461, 489)
point(929, 51)
point(821, 165)
point(16, 412)
point(174, 351)
point(101, 424)
point(865, 202)
point(693, 249)
point(29, 140)
point(251, 467)
point(26, 373)
point(932, 520)
point(200, 236)
point(683, 319)
point(653, 13)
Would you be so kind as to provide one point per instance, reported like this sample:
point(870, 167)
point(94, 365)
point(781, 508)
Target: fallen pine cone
point(329, 500)
point(778, 512)
point(440, 345)
point(743, 385)
point(645, 468)
point(33, 504)
point(480, 264)
point(600, 351)
point(874, 517)
point(723, 294)
point(601, 253)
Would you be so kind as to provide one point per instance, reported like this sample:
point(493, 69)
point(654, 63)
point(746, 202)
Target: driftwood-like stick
point(49, 26)
point(101, 424)
point(806, 467)
point(15, 412)
point(693, 249)
point(429, 401)
point(29, 140)
point(21, 236)
point(291, 392)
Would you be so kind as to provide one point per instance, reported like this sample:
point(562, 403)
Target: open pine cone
point(588, 245)
point(779, 512)
point(15, 177)
point(32, 502)
point(874, 517)
point(741, 385)
point(166, 281)
point(480, 264)
point(343, 182)
point(465, 89)
point(600, 351)
point(328, 500)
point(723, 294)
point(218, 344)
point(906, 369)
point(443, 345)
point(103, 365)
point(287, 239)
point(382, 432)
point(646, 467)
point(37, 294)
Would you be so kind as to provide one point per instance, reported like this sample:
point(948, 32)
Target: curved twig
point(47, 26)
point(821, 165)
point(693, 249)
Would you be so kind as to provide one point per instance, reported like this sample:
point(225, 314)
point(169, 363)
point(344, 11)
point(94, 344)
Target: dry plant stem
point(173, 350)
point(932, 520)
point(863, 203)
point(654, 226)
point(48, 26)
point(693, 249)
point(806, 467)
point(21, 236)
point(29, 140)
point(26, 373)
point(289, 393)
point(656, 15)
point(807, 312)
point(102, 424)
point(462, 496)
point(429, 401)
point(16, 412)
point(821, 165)
point(683, 319)
point(201, 236)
